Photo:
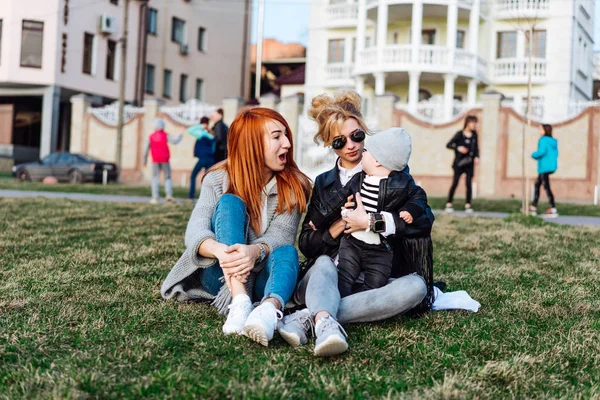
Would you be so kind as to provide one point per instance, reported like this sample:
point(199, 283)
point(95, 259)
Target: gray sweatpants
point(166, 167)
point(319, 291)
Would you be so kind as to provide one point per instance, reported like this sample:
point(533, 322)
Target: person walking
point(158, 146)
point(220, 131)
point(547, 160)
point(466, 154)
point(204, 151)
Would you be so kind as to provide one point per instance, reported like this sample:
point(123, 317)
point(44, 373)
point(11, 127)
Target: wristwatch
point(263, 252)
point(377, 223)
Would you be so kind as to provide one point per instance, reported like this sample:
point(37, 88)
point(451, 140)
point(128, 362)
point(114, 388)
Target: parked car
point(66, 167)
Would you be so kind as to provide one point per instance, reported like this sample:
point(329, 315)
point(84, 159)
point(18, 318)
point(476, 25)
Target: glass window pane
point(111, 57)
point(336, 51)
point(88, 45)
point(152, 21)
point(183, 92)
point(32, 39)
point(167, 83)
point(507, 45)
point(200, 89)
point(150, 78)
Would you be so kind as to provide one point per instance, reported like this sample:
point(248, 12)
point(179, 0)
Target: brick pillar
point(269, 101)
point(385, 105)
point(488, 146)
point(79, 106)
point(231, 105)
point(291, 109)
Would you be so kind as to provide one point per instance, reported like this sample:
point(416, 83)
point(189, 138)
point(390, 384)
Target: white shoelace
point(306, 320)
point(328, 323)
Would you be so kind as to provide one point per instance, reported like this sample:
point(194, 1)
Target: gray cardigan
point(183, 283)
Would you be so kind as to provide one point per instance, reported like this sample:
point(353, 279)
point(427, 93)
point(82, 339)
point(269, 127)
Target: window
point(367, 42)
point(177, 30)
point(424, 95)
point(64, 159)
point(88, 50)
point(201, 39)
point(183, 92)
point(336, 51)
point(395, 38)
point(152, 21)
point(460, 39)
point(51, 159)
point(200, 89)
point(506, 46)
point(167, 83)
point(32, 43)
point(150, 78)
point(539, 44)
point(428, 36)
point(0, 41)
point(115, 2)
point(111, 59)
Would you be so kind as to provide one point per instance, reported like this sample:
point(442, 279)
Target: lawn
point(81, 316)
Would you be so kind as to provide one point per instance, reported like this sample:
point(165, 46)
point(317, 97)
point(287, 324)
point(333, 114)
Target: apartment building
point(438, 56)
point(51, 50)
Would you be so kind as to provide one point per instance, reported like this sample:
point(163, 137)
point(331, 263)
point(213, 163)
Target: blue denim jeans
point(276, 280)
point(202, 163)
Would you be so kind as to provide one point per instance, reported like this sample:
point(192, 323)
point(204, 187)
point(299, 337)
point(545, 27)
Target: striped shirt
point(369, 193)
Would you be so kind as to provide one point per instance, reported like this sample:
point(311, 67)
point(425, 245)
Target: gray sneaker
point(331, 338)
point(296, 327)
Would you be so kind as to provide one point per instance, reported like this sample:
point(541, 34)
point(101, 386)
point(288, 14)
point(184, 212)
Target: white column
point(451, 30)
point(474, 33)
point(360, 84)
point(382, 27)
point(413, 90)
point(361, 28)
point(416, 28)
point(50, 115)
point(472, 92)
point(379, 83)
point(449, 96)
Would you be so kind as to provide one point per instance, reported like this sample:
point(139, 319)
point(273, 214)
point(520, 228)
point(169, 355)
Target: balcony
point(509, 9)
point(515, 71)
point(342, 15)
point(434, 59)
point(339, 75)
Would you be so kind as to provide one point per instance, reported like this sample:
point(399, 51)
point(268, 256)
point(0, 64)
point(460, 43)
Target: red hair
point(246, 162)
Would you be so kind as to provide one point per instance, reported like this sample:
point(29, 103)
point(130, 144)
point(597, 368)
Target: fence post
point(231, 105)
point(79, 106)
point(291, 109)
point(385, 105)
point(488, 147)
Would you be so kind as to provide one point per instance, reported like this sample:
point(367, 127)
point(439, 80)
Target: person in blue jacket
point(547, 159)
point(204, 150)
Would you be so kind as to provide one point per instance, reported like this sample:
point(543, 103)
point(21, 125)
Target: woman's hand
point(462, 149)
point(357, 219)
point(240, 261)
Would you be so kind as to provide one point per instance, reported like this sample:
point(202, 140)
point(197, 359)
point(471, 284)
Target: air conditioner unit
point(184, 49)
point(108, 24)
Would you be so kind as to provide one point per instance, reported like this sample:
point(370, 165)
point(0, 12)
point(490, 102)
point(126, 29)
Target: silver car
point(66, 167)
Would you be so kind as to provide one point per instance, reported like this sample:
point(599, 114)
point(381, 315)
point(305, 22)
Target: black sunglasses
point(357, 136)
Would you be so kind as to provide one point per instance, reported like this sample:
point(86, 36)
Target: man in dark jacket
point(220, 130)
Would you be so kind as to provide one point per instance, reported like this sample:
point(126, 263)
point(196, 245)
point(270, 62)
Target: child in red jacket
point(158, 146)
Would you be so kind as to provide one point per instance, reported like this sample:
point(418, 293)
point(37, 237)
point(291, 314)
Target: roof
point(296, 77)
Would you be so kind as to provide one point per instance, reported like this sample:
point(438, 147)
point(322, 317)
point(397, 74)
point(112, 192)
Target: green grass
point(81, 316)
point(5, 175)
point(514, 206)
point(93, 188)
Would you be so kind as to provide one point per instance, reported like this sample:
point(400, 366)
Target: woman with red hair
point(240, 236)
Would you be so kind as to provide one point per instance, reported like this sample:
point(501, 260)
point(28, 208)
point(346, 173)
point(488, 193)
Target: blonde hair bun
point(331, 112)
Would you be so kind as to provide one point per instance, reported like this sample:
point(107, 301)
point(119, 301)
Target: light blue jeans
point(156, 168)
point(319, 291)
point(277, 279)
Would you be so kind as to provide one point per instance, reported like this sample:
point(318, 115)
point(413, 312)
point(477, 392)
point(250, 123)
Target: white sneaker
point(468, 209)
point(533, 210)
point(449, 208)
point(295, 328)
point(261, 323)
point(331, 337)
point(239, 309)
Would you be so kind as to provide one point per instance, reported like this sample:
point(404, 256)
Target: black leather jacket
point(328, 197)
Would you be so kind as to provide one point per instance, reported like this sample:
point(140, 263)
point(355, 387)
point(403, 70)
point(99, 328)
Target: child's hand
point(405, 215)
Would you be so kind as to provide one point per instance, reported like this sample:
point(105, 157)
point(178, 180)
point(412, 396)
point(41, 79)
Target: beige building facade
point(51, 50)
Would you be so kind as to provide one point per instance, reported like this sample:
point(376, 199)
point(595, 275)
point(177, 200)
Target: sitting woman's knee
point(287, 253)
point(231, 200)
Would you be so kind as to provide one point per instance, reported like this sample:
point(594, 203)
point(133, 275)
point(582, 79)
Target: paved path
point(562, 220)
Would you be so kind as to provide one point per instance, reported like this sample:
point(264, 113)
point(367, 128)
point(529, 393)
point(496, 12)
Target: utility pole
point(259, 44)
point(122, 85)
point(525, 180)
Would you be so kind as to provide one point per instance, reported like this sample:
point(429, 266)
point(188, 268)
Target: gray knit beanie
point(159, 124)
point(391, 148)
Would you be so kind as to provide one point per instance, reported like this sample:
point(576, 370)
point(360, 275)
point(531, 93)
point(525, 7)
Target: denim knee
point(325, 266)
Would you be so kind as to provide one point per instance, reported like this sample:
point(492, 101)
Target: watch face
point(379, 226)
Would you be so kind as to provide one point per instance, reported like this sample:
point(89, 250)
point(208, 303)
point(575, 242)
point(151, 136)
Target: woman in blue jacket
point(547, 158)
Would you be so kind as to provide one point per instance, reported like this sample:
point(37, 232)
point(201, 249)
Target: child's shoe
point(154, 201)
point(551, 213)
point(239, 309)
point(468, 209)
point(449, 208)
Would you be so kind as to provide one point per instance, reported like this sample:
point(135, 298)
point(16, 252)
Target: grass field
point(81, 316)
point(436, 203)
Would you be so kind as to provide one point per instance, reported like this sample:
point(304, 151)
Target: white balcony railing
point(397, 54)
point(342, 14)
point(522, 8)
point(433, 55)
point(513, 70)
point(335, 73)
